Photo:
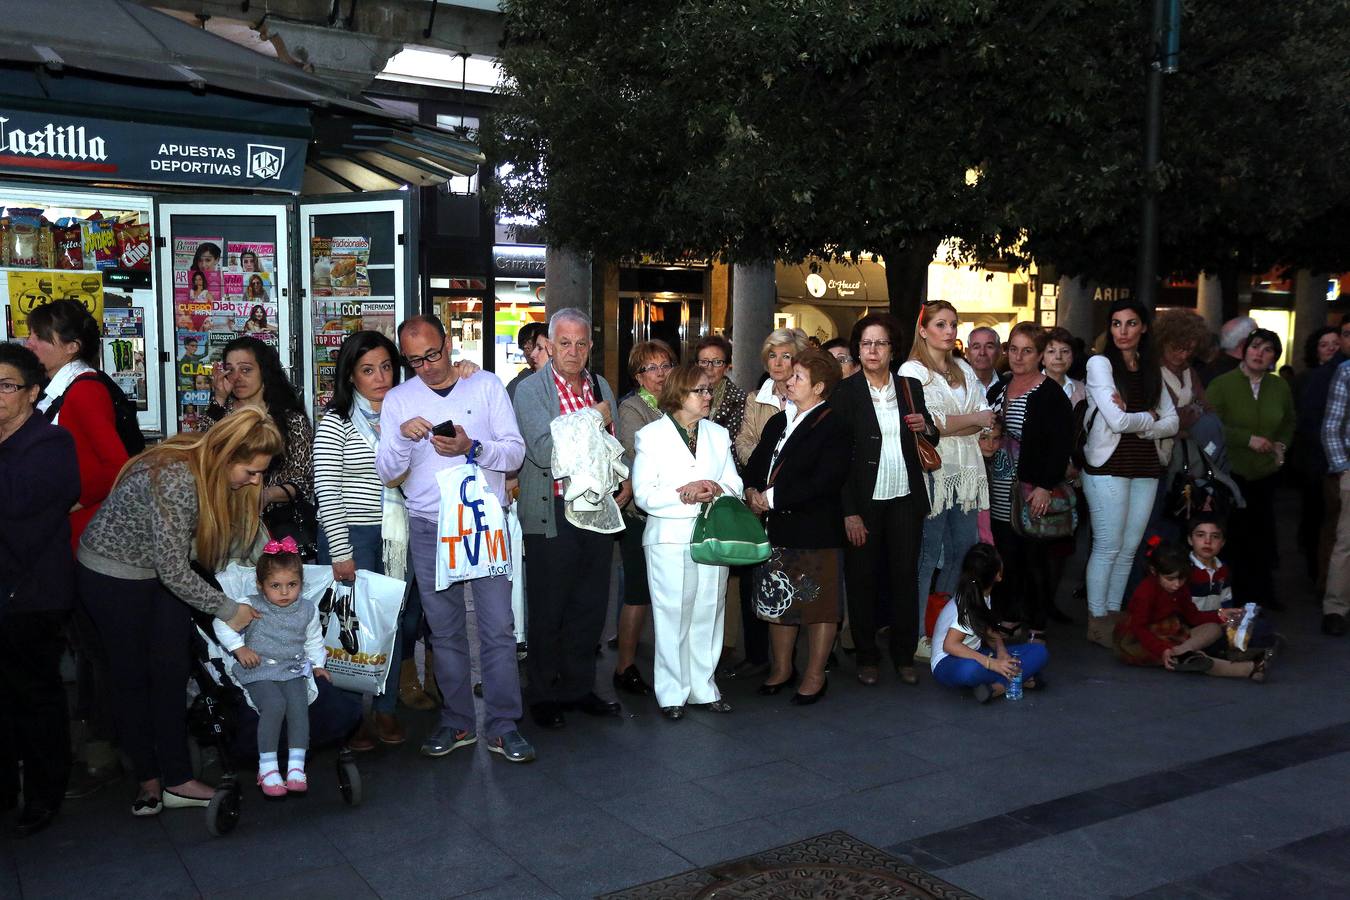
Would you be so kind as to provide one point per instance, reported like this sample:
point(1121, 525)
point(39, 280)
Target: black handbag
point(1196, 492)
point(298, 519)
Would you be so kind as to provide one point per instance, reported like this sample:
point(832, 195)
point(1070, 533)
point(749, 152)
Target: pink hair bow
point(285, 545)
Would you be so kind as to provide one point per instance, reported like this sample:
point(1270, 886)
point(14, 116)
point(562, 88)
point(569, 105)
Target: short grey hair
point(780, 337)
point(568, 314)
point(1235, 331)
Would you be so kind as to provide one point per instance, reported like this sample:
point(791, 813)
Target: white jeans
point(687, 604)
point(1120, 509)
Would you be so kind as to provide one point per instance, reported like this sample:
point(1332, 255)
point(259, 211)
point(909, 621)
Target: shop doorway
point(677, 320)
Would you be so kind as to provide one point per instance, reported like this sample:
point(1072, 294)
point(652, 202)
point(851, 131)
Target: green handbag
point(727, 533)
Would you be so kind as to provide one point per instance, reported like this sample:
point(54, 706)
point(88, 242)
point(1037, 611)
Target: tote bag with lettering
point(472, 540)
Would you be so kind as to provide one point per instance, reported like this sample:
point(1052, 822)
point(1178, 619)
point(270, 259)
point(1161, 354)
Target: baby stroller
point(220, 718)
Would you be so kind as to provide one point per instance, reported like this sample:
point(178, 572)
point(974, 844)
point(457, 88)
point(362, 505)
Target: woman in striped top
point(363, 524)
point(1033, 457)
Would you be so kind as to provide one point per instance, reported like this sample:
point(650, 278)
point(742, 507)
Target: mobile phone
point(446, 429)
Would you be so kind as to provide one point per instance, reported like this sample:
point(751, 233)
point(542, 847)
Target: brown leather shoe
point(869, 675)
point(388, 729)
point(363, 740)
point(908, 674)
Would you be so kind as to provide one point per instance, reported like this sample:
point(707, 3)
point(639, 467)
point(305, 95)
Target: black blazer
point(807, 509)
point(1047, 433)
point(852, 401)
point(39, 483)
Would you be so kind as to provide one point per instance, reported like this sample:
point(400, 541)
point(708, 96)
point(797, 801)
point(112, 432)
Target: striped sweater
point(348, 488)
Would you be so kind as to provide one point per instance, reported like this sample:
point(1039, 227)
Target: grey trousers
point(447, 618)
point(277, 702)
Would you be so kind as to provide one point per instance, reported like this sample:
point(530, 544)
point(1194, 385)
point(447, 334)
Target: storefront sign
point(38, 144)
point(833, 288)
point(29, 290)
point(518, 261)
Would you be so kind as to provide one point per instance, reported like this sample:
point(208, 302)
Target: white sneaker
point(924, 650)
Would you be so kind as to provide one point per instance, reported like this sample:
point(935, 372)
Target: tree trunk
point(907, 277)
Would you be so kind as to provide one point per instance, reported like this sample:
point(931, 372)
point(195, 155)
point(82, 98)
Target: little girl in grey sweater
point(275, 655)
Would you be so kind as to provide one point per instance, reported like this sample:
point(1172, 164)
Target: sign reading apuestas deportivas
point(38, 144)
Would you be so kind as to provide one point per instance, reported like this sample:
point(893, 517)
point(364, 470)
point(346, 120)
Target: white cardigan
point(662, 465)
point(1109, 421)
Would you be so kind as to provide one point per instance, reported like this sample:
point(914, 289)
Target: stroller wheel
point(223, 812)
point(349, 778)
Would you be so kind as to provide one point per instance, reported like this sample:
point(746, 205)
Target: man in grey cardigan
point(567, 568)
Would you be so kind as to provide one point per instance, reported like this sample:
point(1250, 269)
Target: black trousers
point(1250, 550)
point(1027, 589)
point(890, 556)
point(147, 632)
point(567, 580)
point(34, 727)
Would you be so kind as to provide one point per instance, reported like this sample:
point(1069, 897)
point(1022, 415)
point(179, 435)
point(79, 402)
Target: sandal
point(296, 783)
point(1192, 661)
point(275, 791)
point(1261, 665)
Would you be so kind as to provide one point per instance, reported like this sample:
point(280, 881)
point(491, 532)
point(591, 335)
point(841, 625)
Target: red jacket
point(87, 413)
point(1150, 604)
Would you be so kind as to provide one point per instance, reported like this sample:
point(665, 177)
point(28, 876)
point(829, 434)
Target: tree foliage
point(777, 129)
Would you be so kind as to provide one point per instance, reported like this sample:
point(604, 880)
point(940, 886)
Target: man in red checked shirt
point(567, 568)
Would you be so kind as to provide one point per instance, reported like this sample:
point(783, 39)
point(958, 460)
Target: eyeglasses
point(416, 362)
point(707, 392)
point(712, 363)
point(9, 387)
point(874, 345)
point(656, 367)
point(842, 358)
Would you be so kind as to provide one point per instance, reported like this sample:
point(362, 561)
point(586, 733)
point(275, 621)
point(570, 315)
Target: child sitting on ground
point(1211, 588)
point(1162, 627)
point(968, 648)
point(275, 657)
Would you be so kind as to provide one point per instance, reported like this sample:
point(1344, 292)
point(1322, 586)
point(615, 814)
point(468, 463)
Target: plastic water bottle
point(1015, 683)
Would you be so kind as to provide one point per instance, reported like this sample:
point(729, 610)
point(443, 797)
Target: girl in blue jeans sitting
point(968, 649)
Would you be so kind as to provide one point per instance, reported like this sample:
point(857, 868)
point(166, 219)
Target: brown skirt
point(800, 587)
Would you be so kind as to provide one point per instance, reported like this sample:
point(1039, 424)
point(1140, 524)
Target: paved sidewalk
point(1114, 782)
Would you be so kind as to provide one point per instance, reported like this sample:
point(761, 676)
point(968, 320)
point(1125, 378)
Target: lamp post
point(1164, 59)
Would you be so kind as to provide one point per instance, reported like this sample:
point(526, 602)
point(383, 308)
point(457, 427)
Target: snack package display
point(69, 247)
point(46, 247)
point(6, 231)
point(133, 245)
point(25, 227)
point(100, 244)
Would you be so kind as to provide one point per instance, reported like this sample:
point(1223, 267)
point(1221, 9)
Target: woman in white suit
point(682, 461)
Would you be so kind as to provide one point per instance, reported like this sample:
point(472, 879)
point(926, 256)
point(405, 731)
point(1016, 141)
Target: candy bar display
point(33, 238)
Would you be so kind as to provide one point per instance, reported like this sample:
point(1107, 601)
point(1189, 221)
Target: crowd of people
point(921, 498)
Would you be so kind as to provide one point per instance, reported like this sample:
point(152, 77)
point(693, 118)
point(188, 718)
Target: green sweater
point(1271, 415)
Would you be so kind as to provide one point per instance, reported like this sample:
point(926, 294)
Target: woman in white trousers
point(682, 461)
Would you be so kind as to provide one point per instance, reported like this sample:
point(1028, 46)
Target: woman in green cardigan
point(1257, 410)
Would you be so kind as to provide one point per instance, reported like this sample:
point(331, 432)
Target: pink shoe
point(296, 782)
point(270, 783)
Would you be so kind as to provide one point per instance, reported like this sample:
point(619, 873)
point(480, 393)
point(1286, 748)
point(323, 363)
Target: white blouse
point(892, 476)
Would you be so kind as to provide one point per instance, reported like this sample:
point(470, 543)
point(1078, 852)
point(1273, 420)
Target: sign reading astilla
point(106, 150)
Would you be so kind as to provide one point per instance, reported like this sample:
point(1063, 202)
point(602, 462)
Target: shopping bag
point(727, 533)
point(360, 624)
point(472, 540)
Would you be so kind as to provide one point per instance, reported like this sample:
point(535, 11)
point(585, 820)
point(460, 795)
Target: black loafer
point(673, 713)
point(1333, 624)
point(32, 820)
point(547, 715)
point(630, 682)
point(592, 705)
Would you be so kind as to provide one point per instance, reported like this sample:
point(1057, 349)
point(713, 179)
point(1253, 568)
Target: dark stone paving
point(1115, 782)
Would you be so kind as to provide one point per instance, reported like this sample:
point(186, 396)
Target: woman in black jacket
point(39, 483)
point(794, 478)
point(1033, 457)
point(885, 496)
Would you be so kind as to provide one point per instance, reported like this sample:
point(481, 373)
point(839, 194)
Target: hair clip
point(285, 545)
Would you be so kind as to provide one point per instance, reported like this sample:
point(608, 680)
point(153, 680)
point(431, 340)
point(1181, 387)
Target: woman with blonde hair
point(781, 347)
point(193, 498)
point(959, 490)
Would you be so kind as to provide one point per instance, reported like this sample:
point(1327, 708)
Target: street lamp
point(1165, 55)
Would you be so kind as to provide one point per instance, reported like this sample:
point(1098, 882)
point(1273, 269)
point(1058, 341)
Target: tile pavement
point(1114, 782)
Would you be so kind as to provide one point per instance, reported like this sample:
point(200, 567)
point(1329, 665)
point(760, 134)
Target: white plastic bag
point(472, 538)
point(360, 624)
point(517, 569)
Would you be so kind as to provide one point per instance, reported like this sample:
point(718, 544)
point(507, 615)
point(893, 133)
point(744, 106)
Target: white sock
point(296, 759)
point(267, 762)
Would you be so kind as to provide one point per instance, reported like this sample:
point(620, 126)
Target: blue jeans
point(368, 554)
point(959, 672)
point(1120, 509)
point(947, 538)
